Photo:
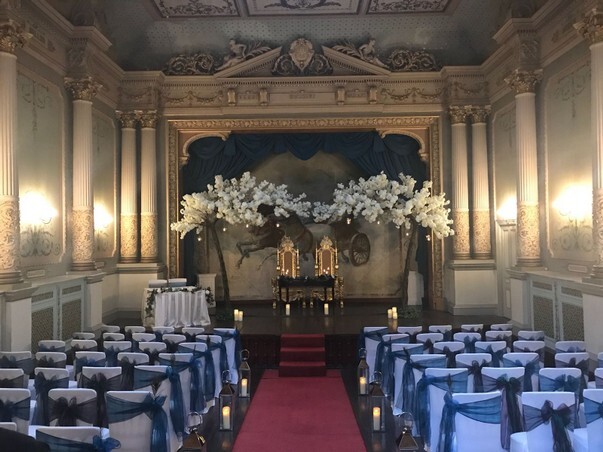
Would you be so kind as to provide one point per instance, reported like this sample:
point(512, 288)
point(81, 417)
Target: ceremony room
point(235, 225)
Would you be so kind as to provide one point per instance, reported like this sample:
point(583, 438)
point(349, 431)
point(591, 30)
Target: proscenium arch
point(425, 129)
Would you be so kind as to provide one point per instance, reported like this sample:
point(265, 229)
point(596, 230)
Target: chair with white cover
point(496, 349)
point(570, 346)
point(128, 361)
point(18, 360)
point(152, 349)
point(15, 407)
point(61, 439)
point(83, 335)
point(501, 327)
point(101, 380)
point(598, 383)
point(469, 339)
point(207, 385)
point(12, 378)
point(591, 438)
point(137, 338)
point(80, 345)
point(162, 380)
point(530, 362)
point(384, 361)
point(428, 339)
point(159, 331)
point(9, 426)
point(46, 379)
point(600, 359)
point(218, 351)
point(431, 390)
point(172, 341)
point(446, 330)
point(549, 420)
point(494, 336)
point(72, 407)
point(509, 381)
point(232, 341)
point(89, 359)
point(450, 349)
point(188, 369)
point(113, 348)
point(472, 328)
point(370, 336)
point(139, 420)
point(474, 363)
point(157, 283)
point(191, 332)
point(404, 381)
point(578, 360)
point(530, 346)
point(110, 329)
point(530, 335)
point(566, 379)
point(51, 345)
point(129, 330)
point(109, 337)
point(55, 360)
point(471, 423)
point(412, 332)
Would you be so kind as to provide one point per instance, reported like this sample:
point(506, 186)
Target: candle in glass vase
point(226, 417)
point(244, 387)
point(362, 385)
point(376, 419)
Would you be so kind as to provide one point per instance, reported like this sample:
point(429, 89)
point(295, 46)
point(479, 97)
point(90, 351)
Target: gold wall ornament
point(460, 239)
point(478, 114)
point(85, 88)
point(82, 224)
point(523, 81)
point(148, 119)
point(127, 119)
point(191, 99)
point(591, 27)
point(12, 36)
point(528, 234)
point(411, 94)
point(128, 227)
point(458, 115)
point(9, 238)
point(148, 237)
point(482, 248)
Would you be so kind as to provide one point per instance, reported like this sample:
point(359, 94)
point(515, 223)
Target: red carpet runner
point(302, 355)
point(305, 414)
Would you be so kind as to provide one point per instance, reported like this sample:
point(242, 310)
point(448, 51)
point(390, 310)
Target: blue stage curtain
point(208, 157)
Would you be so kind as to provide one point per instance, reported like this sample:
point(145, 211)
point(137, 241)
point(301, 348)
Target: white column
point(460, 184)
point(11, 38)
point(148, 187)
point(591, 28)
point(129, 210)
point(528, 221)
point(481, 236)
point(83, 91)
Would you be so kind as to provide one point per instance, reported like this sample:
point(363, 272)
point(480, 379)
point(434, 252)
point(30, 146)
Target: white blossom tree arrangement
point(235, 201)
point(389, 201)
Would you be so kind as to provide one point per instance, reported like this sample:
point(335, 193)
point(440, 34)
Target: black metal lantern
point(404, 425)
point(194, 442)
point(362, 376)
point(244, 376)
point(378, 405)
point(226, 403)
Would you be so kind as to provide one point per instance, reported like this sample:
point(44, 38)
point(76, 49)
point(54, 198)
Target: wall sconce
point(575, 204)
point(506, 215)
point(36, 213)
point(102, 221)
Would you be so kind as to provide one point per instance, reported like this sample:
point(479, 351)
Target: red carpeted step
point(302, 340)
point(302, 369)
point(302, 353)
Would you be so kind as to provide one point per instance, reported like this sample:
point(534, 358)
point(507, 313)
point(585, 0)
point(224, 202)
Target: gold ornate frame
point(329, 267)
point(287, 258)
point(425, 129)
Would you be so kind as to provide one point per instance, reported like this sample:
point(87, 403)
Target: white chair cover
point(81, 396)
point(563, 379)
point(97, 359)
point(450, 349)
point(161, 330)
point(590, 438)
point(21, 360)
point(13, 378)
point(495, 336)
point(131, 329)
point(579, 360)
point(600, 359)
point(191, 331)
point(172, 359)
point(102, 380)
point(474, 362)
point(530, 346)
point(144, 337)
point(83, 335)
point(469, 339)
point(420, 363)
point(428, 339)
point(84, 345)
point(446, 330)
point(501, 327)
point(110, 329)
point(472, 328)
point(197, 348)
point(172, 341)
point(496, 349)
point(21, 411)
point(113, 348)
point(51, 359)
point(232, 350)
point(111, 337)
point(372, 337)
point(216, 353)
point(157, 283)
point(473, 435)
point(412, 332)
point(539, 439)
point(84, 435)
point(385, 361)
point(530, 335)
point(401, 353)
point(530, 362)
point(152, 349)
point(9, 426)
point(598, 383)
point(51, 345)
point(570, 346)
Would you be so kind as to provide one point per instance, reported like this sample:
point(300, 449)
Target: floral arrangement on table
point(149, 307)
point(379, 199)
point(236, 201)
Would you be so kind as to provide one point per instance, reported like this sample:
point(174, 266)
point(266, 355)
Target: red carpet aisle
point(302, 355)
point(303, 414)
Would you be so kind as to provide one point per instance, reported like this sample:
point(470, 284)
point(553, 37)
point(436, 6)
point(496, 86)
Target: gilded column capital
point(148, 119)
point(85, 88)
point(127, 119)
point(522, 81)
point(478, 113)
point(458, 115)
point(591, 27)
point(12, 36)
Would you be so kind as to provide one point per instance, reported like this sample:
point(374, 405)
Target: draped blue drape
point(208, 157)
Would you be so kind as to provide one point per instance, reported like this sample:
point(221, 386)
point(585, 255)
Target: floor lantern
point(404, 425)
point(244, 375)
point(226, 403)
point(362, 374)
point(379, 404)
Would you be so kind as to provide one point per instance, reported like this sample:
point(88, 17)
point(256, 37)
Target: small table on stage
point(286, 282)
point(177, 307)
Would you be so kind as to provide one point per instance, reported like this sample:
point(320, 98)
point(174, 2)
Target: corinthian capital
point(522, 81)
point(458, 115)
point(478, 113)
point(84, 88)
point(591, 27)
point(127, 119)
point(12, 36)
point(148, 119)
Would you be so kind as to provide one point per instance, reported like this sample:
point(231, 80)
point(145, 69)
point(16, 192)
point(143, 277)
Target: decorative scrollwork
point(38, 241)
point(196, 64)
point(301, 60)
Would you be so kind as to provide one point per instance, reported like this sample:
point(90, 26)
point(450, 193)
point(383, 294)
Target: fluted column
point(83, 91)
point(11, 38)
point(460, 184)
point(148, 187)
point(591, 28)
point(480, 238)
point(524, 83)
point(129, 212)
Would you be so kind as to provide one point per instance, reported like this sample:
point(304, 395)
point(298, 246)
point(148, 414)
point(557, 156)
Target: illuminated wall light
point(507, 212)
point(102, 218)
point(35, 210)
point(575, 202)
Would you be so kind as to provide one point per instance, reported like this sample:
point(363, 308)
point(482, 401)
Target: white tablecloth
point(179, 308)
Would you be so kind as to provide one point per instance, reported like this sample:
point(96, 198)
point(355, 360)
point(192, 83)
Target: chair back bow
point(101, 384)
point(384, 362)
point(497, 356)
point(46, 361)
point(232, 335)
point(111, 355)
point(88, 362)
point(10, 410)
point(530, 368)
point(42, 386)
point(12, 383)
point(592, 410)
point(68, 412)
point(223, 359)
point(428, 346)
point(561, 420)
point(475, 369)
point(98, 444)
point(194, 367)
point(51, 348)
point(375, 335)
point(10, 362)
point(469, 342)
point(450, 357)
point(583, 366)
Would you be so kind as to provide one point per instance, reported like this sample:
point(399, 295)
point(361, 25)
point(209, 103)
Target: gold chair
point(287, 258)
point(327, 264)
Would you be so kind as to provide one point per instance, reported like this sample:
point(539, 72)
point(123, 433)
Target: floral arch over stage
point(425, 129)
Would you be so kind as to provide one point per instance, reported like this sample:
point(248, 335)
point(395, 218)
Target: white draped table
point(177, 307)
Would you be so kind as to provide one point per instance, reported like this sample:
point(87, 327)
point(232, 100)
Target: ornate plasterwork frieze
point(591, 27)
point(478, 114)
point(83, 88)
point(458, 115)
point(300, 60)
point(127, 119)
point(407, 6)
point(196, 8)
point(148, 119)
point(413, 95)
point(12, 36)
point(528, 233)
point(191, 99)
point(522, 81)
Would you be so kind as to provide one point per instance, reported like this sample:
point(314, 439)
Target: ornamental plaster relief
point(528, 234)
point(598, 223)
point(482, 247)
point(82, 225)
point(460, 241)
point(9, 234)
point(129, 237)
point(148, 238)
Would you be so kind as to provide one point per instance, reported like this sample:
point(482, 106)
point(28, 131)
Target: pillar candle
point(326, 308)
point(395, 315)
point(394, 310)
point(376, 419)
point(287, 309)
point(389, 313)
point(240, 316)
point(226, 417)
point(244, 387)
point(362, 388)
point(236, 314)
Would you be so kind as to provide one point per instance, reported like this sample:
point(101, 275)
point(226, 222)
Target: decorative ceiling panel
point(301, 7)
point(196, 8)
point(407, 6)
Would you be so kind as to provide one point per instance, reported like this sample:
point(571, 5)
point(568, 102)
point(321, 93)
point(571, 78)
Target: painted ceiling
point(147, 33)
